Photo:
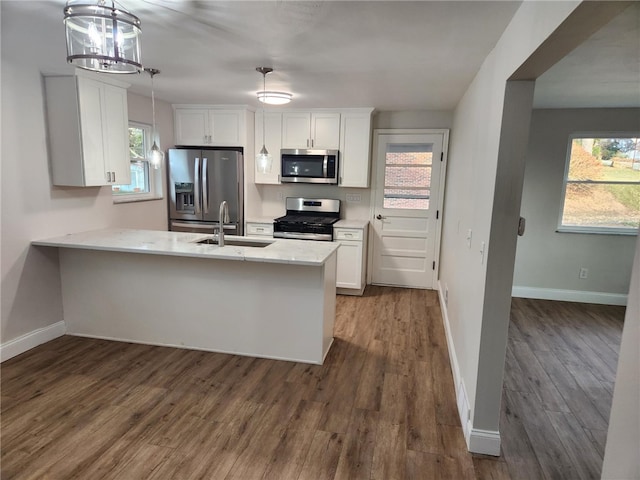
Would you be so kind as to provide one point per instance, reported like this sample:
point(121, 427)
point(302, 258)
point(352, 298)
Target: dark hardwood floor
point(559, 374)
point(381, 407)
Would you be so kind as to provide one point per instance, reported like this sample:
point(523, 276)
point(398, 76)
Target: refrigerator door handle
point(197, 185)
point(205, 185)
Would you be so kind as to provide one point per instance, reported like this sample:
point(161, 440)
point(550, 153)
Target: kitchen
point(31, 285)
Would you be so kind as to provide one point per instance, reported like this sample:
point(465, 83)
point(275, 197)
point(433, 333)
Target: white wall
point(469, 205)
point(271, 197)
point(32, 208)
point(548, 262)
point(621, 458)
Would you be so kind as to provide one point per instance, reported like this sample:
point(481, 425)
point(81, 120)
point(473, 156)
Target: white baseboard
point(30, 340)
point(486, 442)
point(478, 441)
point(579, 296)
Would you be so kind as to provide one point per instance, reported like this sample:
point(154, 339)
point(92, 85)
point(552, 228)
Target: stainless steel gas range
point(308, 219)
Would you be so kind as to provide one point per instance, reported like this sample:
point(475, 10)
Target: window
point(146, 182)
point(407, 176)
point(602, 185)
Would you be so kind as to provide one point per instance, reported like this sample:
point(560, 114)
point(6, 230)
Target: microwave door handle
point(196, 165)
point(205, 185)
point(325, 166)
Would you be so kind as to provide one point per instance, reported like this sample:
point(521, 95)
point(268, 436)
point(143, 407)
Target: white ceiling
point(391, 55)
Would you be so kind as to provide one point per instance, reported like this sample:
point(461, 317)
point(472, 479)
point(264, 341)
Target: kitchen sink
point(236, 242)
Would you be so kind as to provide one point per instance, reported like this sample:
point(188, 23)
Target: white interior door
point(407, 197)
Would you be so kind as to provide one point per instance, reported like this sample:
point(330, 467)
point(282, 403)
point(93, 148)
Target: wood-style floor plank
point(382, 406)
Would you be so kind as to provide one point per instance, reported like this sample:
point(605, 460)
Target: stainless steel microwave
point(309, 166)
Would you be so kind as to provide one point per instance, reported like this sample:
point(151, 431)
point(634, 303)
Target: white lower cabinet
point(351, 269)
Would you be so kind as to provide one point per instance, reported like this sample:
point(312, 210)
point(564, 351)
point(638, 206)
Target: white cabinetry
point(351, 267)
point(273, 142)
point(88, 128)
point(355, 148)
point(319, 130)
point(208, 125)
point(260, 229)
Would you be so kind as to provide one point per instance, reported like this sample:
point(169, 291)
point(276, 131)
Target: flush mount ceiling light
point(156, 155)
point(270, 97)
point(102, 37)
point(274, 98)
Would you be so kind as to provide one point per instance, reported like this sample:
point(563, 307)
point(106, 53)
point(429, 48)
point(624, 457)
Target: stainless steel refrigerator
point(199, 180)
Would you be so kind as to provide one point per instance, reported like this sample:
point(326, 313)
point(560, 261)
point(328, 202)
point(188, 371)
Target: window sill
point(147, 197)
point(598, 231)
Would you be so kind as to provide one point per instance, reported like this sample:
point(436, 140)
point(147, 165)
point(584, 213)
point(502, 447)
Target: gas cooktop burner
point(307, 219)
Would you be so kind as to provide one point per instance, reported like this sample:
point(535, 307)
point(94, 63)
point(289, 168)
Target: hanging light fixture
point(102, 37)
point(263, 158)
point(274, 98)
point(156, 155)
point(271, 97)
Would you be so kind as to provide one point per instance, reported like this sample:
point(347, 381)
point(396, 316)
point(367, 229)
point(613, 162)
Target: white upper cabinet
point(273, 142)
point(355, 148)
point(191, 126)
point(214, 126)
point(316, 130)
point(88, 128)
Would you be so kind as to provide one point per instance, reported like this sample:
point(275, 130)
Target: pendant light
point(264, 160)
point(102, 37)
point(156, 155)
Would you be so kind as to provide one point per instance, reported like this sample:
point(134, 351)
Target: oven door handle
point(327, 237)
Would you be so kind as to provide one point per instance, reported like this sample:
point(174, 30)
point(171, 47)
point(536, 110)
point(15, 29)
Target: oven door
point(309, 166)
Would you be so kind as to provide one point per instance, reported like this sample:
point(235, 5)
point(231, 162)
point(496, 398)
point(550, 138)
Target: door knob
point(379, 217)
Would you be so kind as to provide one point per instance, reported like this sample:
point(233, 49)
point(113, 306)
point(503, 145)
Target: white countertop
point(261, 219)
point(351, 224)
point(180, 244)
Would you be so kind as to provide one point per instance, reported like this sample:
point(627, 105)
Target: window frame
point(155, 176)
point(591, 229)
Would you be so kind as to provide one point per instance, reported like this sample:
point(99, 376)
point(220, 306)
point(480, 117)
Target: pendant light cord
point(264, 88)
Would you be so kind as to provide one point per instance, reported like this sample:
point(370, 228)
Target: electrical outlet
point(280, 195)
point(446, 295)
point(354, 197)
point(584, 273)
point(482, 253)
point(469, 235)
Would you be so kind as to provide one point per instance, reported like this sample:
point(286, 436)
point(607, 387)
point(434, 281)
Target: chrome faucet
point(224, 218)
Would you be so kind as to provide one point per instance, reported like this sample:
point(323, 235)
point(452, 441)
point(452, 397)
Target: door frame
point(443, 171)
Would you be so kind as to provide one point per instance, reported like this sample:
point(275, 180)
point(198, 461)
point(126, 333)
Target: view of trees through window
point(407, 177)
point(603, 184)
point(138, 141)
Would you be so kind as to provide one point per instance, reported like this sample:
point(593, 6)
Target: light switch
point(469, 234)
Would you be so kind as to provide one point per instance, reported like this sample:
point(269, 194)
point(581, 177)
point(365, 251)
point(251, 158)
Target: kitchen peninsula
point(165, 288)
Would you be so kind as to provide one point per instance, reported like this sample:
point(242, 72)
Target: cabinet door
point(116, 134)
point(355, 147)
point(273, 142)
point(225, 128)
point(91, 106)
point(325, 130)
point(296, 128)
point(191, 126)
point(348, 273)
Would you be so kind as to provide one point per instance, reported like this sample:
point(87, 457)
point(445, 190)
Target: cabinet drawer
point(347, 234)
point(265, 229)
